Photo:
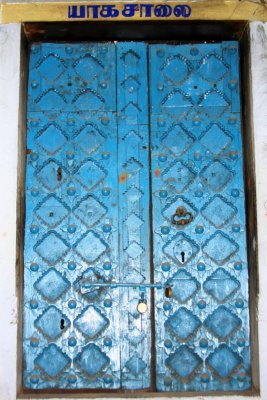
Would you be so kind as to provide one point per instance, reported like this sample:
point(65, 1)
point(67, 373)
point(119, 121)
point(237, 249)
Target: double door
point(135, 239)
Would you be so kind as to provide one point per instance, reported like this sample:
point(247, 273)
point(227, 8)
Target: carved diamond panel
point(90, 247)
point(89, 139)
point(51, 139)
point(213, 68)
point(177, 140)
point(216, 176)
point(134, 250)
point(222, 323)
point(216, 139)
point(221, 285)
point(184, 363)
point(90, 174)
point(52, 361)
point(90, 211)
point(178, 176)
point(223, 362)
point(91, 322)
point(135, 365)
point(51, 67)
point(52, 211)
point(49, 323)
point(52, 285)
point(183, 324)
point(58, 247)
point(92, 360)
point(220, 248)
point(184, 286)
point(47, 175)
point(181, 249)
point(218, 211)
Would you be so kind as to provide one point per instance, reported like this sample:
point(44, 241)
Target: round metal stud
point(108, 342)
point(106, 155)
point(108, 379)
point(197, 156)
point(34, 379)
point(239, 303)
point(69, 49)
point(203, 343)
point(235, 193)
point(72, 228)
point(34, 229)
point(105, 191)
point(71, 190)
point(72, 379)
point(72, 304)
point(33, 304)
point(34, 267)
point(201, 304)
point(198, 193)
point(236, 228)
point(107, 303)
point(107, 228)
point(160, 53)
point(71, 266)
point(163, 194)
point(194, 51)
point(70, 155)
point(167, 343)
point(34, 342)
point(34, 84)
point(199, 229)
point(167, 306)
point(72, 341)
point(165, 267)
point(165, 230)
point(205, 377)
point(71, 121)
point(162, 157)
point(238, 266)
point(107, 266)
point(201, 267)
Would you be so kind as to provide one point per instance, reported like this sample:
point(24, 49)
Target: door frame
point(182, 32)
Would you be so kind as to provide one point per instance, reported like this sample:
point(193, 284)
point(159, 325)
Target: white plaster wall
point(9, 89)
point(9, 101)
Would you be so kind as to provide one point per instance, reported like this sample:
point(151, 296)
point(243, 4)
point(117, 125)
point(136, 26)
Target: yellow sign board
point(210, 10)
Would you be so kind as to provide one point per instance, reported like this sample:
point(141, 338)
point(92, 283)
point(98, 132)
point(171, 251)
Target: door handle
point(182, 216)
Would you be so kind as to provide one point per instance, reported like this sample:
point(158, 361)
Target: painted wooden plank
point(134, 224)
point(203, 10)
point(199, 226)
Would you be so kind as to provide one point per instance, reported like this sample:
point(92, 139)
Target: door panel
point(71, 232)
point(199, 230)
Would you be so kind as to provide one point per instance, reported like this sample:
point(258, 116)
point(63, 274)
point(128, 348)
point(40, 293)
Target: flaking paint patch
point(157, 172)
point(123, 177)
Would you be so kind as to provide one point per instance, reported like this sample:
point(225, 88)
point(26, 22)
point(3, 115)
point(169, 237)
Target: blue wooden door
point(199, 229)
point(134, 189)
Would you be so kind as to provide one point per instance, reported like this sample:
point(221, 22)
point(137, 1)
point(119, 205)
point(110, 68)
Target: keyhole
point(59, 174)
point(62, 324)
point(182, 256)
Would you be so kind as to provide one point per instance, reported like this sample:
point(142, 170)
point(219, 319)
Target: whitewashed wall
point(9, 104)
